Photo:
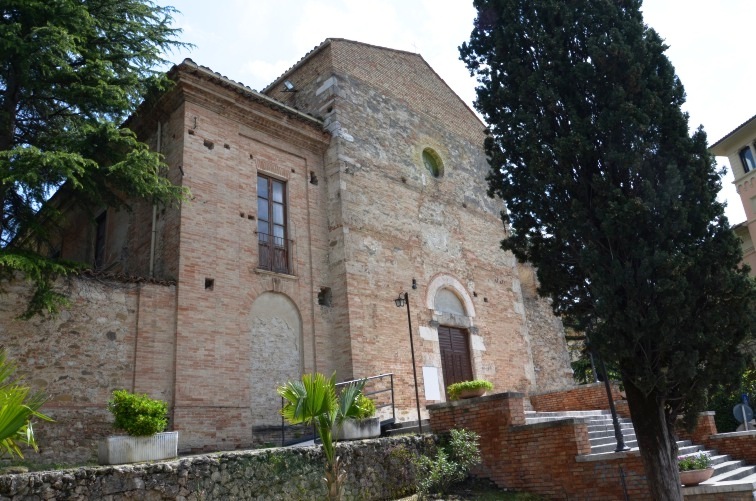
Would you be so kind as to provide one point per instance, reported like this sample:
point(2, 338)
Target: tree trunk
point(657, 444)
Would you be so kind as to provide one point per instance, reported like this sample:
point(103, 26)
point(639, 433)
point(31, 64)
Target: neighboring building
point(739, 146)
point(356, 175)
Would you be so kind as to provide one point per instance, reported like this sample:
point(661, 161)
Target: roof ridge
point(322, 45)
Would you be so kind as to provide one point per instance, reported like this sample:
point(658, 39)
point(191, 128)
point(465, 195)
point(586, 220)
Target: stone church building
point(356, 176)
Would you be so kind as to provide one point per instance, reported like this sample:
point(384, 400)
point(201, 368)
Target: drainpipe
point(153, 234)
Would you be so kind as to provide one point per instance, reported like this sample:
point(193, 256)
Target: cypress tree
point(614, 202)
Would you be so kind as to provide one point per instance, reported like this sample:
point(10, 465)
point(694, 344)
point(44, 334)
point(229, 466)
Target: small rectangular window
point(746, 158)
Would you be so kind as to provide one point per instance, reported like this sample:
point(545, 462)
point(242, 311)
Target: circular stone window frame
point(436, 170)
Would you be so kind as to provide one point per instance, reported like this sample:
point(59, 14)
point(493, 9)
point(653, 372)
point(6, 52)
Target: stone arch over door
point(452, 326)
point(275, 328)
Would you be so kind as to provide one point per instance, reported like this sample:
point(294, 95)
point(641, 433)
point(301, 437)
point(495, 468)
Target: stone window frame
point(432, 162)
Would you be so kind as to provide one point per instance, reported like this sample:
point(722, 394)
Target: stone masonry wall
point(81, 355)
point(376, 469)
point(547, 342)
point(390, 221)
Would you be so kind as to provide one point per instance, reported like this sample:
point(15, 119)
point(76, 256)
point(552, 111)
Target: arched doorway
point(453, 339)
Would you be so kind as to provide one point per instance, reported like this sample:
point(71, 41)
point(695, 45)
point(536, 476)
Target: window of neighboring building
point(101, 226)
point(746, 158)
point(274, 246)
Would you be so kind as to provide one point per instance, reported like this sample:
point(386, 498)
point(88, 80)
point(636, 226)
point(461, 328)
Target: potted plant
point(364, 424)
point(694, 468)
point(468, 389)
point(144, 419)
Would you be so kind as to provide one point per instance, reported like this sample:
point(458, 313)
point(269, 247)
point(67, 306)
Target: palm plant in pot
point(313, 400)
point(144, 420)
point(468, 389)
point(364, 424)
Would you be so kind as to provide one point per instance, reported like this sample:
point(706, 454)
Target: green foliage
point(313, 400)
point(138, 415)
point(612, 200)
point(365, 407)
point(450, 466)
point(455, 389)
point(72, 73)
point(722, 398)
point(17, 408)
point(699, 461)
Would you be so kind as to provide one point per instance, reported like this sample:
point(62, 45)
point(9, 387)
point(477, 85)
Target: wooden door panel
point(455, 355)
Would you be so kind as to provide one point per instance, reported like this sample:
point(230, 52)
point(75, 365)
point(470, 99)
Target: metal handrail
point(275, 253)
point(390, 389)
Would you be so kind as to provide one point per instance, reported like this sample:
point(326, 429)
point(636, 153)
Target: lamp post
point(615, 422)
point(403, 300)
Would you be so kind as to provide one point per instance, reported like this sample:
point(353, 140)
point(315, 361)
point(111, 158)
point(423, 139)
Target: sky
point(253, 42)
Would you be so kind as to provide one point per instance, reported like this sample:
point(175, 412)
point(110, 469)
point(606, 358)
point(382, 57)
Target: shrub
point(365, 407)
point(693, 462)
point(455, 389)
point(722, 400)
point(138, 415)
point(450, 466)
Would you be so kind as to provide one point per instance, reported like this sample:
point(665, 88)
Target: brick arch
point(443, 281)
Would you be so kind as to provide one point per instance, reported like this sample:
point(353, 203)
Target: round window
point(433, 162)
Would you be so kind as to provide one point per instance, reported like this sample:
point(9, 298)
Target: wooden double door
point(455, 354)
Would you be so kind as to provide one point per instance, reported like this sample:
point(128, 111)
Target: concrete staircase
point(730, 475)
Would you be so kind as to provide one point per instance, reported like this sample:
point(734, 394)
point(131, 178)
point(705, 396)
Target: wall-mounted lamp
point(288, 86)
point(414, 283)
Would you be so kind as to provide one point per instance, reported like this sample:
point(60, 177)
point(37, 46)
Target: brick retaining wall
point(548, 459)
point(585, 397)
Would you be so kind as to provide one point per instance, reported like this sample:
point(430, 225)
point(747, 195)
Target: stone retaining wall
point(376, 469)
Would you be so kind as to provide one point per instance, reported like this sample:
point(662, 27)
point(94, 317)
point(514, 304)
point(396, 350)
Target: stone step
point(599, 449)
point(609, 432)
point(735, 473)
point(406, 428)
point(689, 449)
point(566, 413)
point(611, 439)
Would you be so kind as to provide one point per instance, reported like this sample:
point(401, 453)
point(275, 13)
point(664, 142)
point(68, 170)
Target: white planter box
point(352, 429)
point(127, 449)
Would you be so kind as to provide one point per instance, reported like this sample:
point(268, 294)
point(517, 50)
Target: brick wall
point(740, 445)
point(580, 398)
point(546, 458)
point(702, 432)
